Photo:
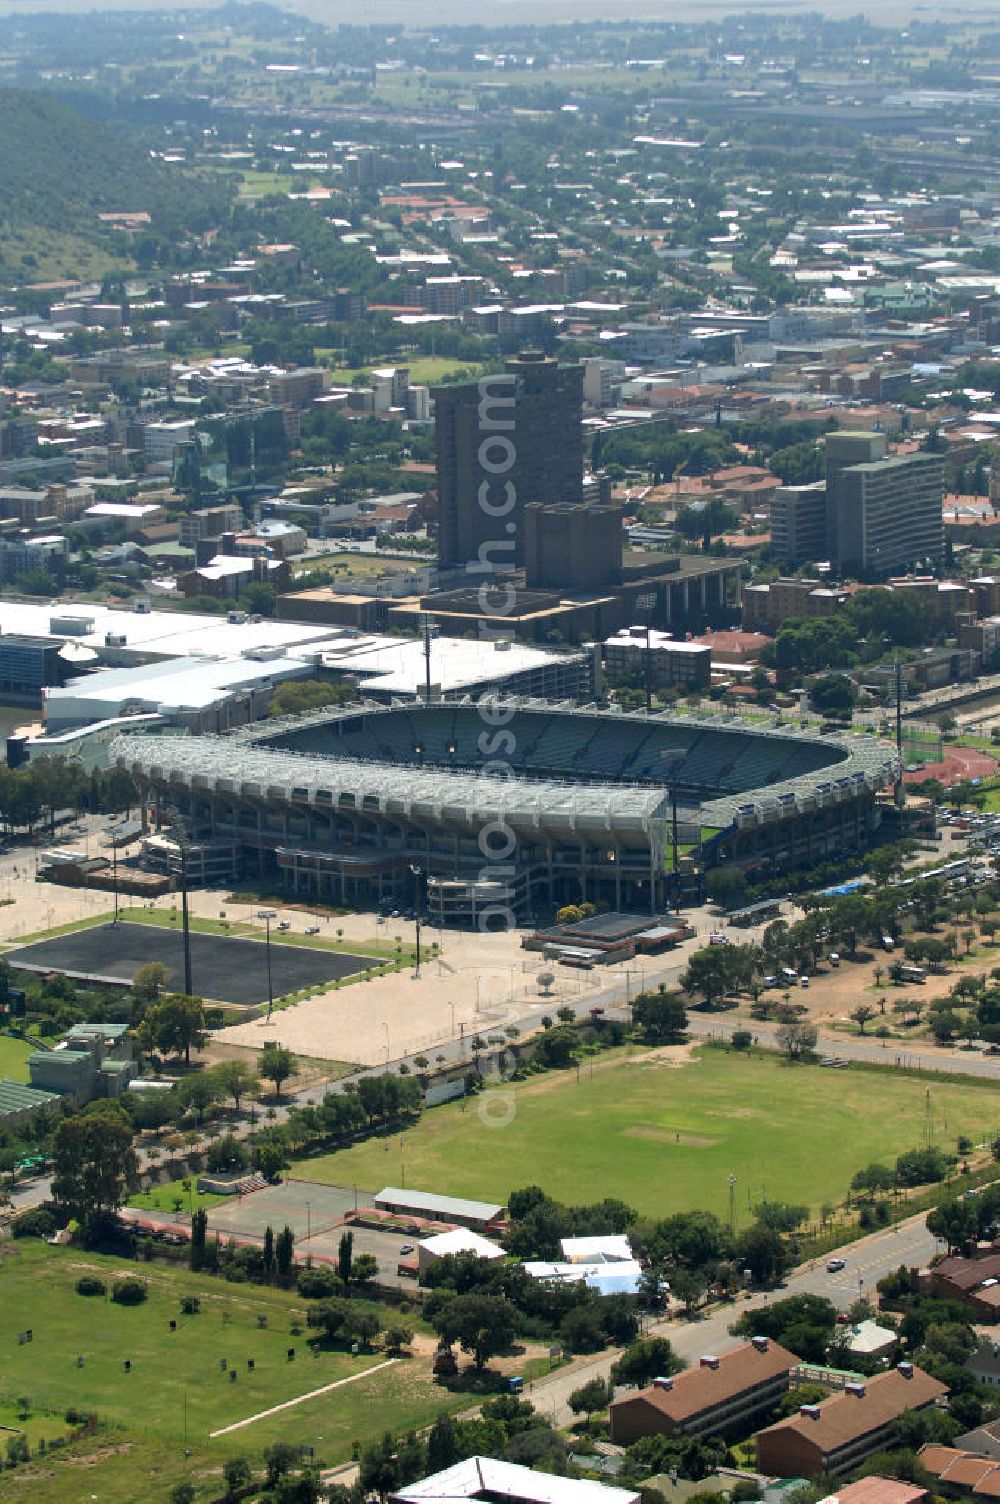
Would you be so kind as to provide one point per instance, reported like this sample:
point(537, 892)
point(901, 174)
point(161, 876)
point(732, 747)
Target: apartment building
point(719, 1394)
point(210, 522)
point(837, 1435)
point(798, 524)
point(510, 440)
point(673, 664)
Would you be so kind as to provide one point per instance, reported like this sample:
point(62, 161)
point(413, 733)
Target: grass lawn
point(14, 1058)
point(346, 561)
point(425, 370)
point(140, 1456)
point(665, 1139)
point(161, 1198)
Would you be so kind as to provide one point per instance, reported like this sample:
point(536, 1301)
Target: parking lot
point(223, 969)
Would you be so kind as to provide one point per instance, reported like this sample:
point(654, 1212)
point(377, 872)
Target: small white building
point(458, 1240)
point(617, 1277)
point(869, 1340)
point(507, 1483)
point(609, 1249)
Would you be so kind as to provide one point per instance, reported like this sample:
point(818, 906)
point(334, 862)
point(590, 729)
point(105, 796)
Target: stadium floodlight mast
point(417, 873)
point(180, 837)
point(673, 762)
point(267, 915)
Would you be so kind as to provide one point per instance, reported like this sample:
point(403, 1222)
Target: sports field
point(141, 1457)
point(222, 968)
point(665, 1136)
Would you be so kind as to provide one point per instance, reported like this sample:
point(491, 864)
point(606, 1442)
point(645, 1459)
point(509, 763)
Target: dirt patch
point(91, 1459)
point(667, 1136)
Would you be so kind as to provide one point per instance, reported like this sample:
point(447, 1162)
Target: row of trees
point(51, 784)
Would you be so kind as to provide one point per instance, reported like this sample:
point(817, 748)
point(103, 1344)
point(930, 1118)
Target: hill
point(59, 171)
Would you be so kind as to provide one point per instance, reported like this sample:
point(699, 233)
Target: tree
point(199, 1229)
point(277, 1064)
point(173, 1025)
point(834, 695)
point(235, 1079)
point(237, 1472)
point(862, 1015)
point(797, 1036)
point(364, 1269)
point(953, 1221)
point(481, 1324)
point(149, 981)
point(661, 1016)
point(726, 886)
point(762, 1251)
point(344, 1257)
point(873, 1179)
point(198, 1093)
point(284, 1252)
point(644, 1361)
point(279, 1459)
point(708, 972)
point(593, 1395)
point(688, 1285)
point(95, 1165)
point(442, 1445)
point(183, 1493)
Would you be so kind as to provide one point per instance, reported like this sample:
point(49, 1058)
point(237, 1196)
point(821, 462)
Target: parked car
point(406, 1247)
point(834, 1266)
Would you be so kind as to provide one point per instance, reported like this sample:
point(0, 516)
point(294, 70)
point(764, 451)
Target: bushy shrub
point(190, 1305)
point(317, 1284)
point(37, 1222)
point(129, 1291)
point(89, 1284)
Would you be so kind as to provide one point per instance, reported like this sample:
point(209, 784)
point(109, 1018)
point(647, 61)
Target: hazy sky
point(423, 13)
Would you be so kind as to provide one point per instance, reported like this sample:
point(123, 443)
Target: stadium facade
point(503, 804)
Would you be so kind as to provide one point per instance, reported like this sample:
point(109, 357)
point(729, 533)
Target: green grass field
point(161, 1198)
point(141, 1455)
point(347, 562)
point(14, 1058)
point(665, 1139)
point(425, 370)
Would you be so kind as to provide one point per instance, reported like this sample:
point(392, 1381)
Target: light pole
point(417, 873)
point(308, 1221)
point(267, 915)
point(386, 1028)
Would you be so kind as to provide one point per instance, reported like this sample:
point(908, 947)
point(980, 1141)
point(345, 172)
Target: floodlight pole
point(185, 923)
point(649, 665)
point(417, 873)
point(267, 954)
point(114, 875)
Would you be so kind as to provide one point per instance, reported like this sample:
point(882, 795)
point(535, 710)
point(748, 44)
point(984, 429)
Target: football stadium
point(466, 811)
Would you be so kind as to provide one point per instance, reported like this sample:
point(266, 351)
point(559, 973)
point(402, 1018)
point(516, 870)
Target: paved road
point(865, 1262)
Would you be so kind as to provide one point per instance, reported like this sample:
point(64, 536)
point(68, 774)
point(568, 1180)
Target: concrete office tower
point(798, 524)
point(523, 428)
point(570, 547)
point(883, 514)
